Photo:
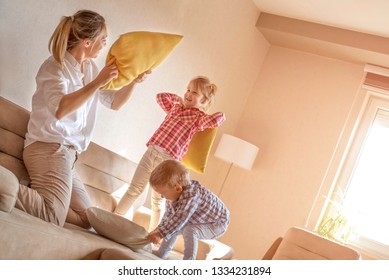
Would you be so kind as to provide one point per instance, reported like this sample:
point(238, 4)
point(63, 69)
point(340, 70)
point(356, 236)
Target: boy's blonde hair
point(71, 30)
point(169, 173)
point(208, 89)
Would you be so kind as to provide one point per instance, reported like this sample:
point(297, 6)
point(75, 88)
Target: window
point(358, 212)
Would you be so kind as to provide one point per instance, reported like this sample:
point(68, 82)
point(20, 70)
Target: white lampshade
point(236, 151)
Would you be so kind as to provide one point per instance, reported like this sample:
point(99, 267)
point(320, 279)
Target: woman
point(63, 117)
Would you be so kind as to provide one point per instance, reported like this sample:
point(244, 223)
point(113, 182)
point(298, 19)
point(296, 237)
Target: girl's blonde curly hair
point(208, 89)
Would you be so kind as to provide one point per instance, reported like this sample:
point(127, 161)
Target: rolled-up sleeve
point(50, 79)
point(209, 121)
point(106, 97)
point(167, 100)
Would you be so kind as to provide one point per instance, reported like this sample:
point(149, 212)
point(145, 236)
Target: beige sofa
point(104, 173)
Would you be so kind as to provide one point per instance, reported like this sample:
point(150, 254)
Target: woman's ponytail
point(72, 30)
point(58, 43)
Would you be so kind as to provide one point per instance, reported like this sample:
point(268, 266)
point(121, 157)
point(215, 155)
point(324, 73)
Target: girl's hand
point(142, 76)
point(108, 73)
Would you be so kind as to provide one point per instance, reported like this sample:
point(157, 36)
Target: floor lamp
point(237, 152)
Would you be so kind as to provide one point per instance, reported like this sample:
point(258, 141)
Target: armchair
point(302, 244)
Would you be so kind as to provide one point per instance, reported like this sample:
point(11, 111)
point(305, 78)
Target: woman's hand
point(108, 73)
point(122, 95)
point(142, 76)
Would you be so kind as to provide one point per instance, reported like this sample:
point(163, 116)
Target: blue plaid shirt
point(196, 205)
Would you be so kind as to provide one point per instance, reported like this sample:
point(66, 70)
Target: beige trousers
point(56, 193)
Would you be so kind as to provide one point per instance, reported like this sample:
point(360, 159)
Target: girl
point(185, 116)
point(62, 119)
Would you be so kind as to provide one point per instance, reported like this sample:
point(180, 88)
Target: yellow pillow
point(137, 52)
point(196, 157)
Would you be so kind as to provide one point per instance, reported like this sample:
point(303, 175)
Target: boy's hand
point(154, 237)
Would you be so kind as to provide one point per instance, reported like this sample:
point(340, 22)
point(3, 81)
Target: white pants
point(151, 158)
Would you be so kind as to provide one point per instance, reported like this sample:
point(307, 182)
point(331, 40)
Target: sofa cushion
point(11, 112)
point(118, 228)
point(11, 143)
point(101, 199)
point(9, 188)
point(13, 127)
point(105, 175)
point(16, 166)
point(137, 52)
point(25, 237)
point(105, 161)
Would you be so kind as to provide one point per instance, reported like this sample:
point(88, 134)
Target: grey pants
point(56, 193)
point(191, 235)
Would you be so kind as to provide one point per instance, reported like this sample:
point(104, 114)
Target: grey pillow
point(118, 228)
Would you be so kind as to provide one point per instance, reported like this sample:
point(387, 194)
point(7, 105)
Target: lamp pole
point(225, 179)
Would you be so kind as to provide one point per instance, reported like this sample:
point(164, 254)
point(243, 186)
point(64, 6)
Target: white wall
point(220, 41)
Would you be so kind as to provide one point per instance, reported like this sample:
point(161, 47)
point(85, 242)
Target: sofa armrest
point(272, 250)
point(9, 188)
point(302, 244)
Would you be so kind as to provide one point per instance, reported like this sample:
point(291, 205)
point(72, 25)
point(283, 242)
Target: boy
point(191, 210)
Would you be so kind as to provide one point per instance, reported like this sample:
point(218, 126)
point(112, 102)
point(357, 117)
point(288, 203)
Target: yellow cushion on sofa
point(137, 52)
point(196, 157)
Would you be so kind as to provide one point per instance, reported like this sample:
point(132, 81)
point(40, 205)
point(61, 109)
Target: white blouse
point(53, 82)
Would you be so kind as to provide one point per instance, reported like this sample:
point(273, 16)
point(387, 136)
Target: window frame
point(374, 100)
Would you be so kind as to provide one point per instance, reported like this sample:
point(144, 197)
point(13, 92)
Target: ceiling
point(351, 30)
point(367, 16)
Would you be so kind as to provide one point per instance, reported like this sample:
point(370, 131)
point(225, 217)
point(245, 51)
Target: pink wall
point(294, 114)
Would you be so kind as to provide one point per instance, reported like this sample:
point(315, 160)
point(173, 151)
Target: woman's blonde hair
point(208, 89)
point(169, 173)
point(71, 30)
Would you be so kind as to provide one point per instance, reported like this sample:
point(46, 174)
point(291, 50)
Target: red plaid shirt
point(180, 124)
